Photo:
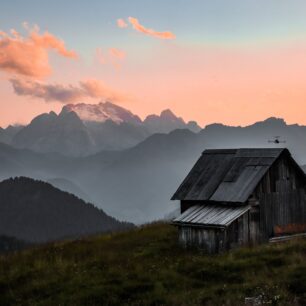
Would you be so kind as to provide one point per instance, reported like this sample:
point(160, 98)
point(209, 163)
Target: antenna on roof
point(277, 140)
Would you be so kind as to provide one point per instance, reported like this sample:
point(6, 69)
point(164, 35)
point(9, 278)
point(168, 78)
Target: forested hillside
point(36, 211)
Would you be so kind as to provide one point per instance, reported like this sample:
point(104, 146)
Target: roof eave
point(238, 203)
point(186, 224)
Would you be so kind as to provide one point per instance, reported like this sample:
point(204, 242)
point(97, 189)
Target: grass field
point(146, 267)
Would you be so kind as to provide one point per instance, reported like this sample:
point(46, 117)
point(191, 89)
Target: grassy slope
point(146, 267)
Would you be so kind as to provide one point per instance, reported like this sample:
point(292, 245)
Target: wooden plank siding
point(216, 239)
point(282, 210)
point(210, 240)
point(238, 234)
point(282, 200)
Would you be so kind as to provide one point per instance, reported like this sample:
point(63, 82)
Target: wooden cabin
point(235, 197)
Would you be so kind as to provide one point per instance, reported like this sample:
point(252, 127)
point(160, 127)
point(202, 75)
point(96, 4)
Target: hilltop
point(145, 266)
point(35, 211)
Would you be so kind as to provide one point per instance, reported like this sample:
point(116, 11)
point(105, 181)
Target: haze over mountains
point(83, 129)
point(35, 211)
point(7, 134)
point(136, 183)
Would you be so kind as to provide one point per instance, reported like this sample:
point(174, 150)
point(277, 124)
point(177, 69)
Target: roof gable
point(229, 175)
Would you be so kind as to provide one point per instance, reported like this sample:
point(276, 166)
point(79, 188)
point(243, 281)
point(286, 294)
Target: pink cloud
point(47, 92)
point(114, 57)
point(116, 53)
point(140, 28)
point(98, 89)
point(90, 88)
point(121, 23)
point(28, 56)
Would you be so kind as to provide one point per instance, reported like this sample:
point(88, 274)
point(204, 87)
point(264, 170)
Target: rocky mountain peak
point(102, 112)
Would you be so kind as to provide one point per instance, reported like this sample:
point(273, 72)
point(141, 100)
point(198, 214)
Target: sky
point(234, 62)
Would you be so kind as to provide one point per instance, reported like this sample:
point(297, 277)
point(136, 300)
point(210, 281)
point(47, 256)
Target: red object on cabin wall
point(291, 228)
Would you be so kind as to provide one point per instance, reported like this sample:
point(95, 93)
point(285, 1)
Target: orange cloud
point(121, 23)
point(66, 94)
point(28, 56)
point(140, 28)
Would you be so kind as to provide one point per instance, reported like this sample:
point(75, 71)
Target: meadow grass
point(145, 266)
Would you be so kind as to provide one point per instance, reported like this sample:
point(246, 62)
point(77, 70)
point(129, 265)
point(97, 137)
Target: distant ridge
point(35, 211)
point(136, 184)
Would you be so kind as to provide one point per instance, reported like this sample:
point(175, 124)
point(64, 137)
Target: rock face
point(168, 122)
point(102, 112)
point(83, 129)
point(7, 135)
point(63, 133)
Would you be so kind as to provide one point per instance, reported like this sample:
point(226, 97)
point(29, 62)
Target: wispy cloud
point(113, 56)
point(116, 53)
point(98, 89)
point(121, 23)
point(90, 88)
point(140, 28)
point(28, 56)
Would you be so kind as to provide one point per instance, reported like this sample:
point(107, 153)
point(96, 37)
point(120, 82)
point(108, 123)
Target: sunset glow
point(206, 62)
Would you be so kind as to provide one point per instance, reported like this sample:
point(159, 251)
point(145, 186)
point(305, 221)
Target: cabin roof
point(213, 215)
point(227, 175)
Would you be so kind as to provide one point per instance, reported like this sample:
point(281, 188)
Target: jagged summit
point(167, 122)
point(108, 111)
point(102, 112)
point(168, 114)
point(275, 121)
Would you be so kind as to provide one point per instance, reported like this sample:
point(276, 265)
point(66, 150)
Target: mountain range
point(7, 134)
point(136, 184)
point(83, 129)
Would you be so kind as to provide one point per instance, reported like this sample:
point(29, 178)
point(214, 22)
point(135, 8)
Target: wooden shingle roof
point(228, 175)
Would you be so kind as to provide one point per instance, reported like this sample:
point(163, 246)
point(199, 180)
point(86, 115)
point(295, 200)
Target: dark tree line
point(36, 211)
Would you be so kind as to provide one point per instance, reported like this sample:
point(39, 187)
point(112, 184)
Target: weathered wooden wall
point(282, 213)
point(237, 234)
point(210, 240)
point(282, 177)
point(254, 225)
point(214, 239)
point(282, 200)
